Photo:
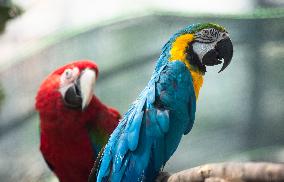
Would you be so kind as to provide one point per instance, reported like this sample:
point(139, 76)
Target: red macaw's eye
point(69, 76)
point(68, 73)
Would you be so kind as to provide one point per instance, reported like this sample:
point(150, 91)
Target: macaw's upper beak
point(80, 93)
point(223, 50)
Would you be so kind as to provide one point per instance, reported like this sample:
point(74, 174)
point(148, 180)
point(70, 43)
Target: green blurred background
point(240, 112)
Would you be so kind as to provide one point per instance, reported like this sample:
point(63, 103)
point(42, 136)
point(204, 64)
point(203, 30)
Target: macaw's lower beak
point(80, 93)
point(222, 51)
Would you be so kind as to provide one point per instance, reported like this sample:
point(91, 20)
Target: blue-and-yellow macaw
point(150, 131)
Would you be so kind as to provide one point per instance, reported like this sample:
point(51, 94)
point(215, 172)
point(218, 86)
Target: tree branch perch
point(228, 172)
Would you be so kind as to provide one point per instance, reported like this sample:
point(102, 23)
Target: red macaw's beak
point(80, 93)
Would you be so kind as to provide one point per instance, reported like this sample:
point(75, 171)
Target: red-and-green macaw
point(74, 124)
point(150, 131)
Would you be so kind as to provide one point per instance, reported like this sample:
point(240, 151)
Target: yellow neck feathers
point(178, 52)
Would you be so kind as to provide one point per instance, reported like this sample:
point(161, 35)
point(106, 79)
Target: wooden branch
point(228, 172)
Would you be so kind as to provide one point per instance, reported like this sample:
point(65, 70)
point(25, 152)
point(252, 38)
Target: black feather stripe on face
point(193, 59)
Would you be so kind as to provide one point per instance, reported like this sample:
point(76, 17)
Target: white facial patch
point(202, 48)
point(67, 78)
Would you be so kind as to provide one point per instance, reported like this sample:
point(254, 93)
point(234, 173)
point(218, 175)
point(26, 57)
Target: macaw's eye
point(68, 73)
point(205, 32)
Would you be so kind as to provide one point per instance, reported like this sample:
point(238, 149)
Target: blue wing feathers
point(163, 119)
point(149, 133)
point(191, 111)
point(152, 127)
point(121, 150)
point(151, 94)
point(134, 130)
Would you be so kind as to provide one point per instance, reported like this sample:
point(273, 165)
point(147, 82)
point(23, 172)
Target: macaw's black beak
point(73, 97)
point(79, 94)
point(225, 50)
point(222, 51)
